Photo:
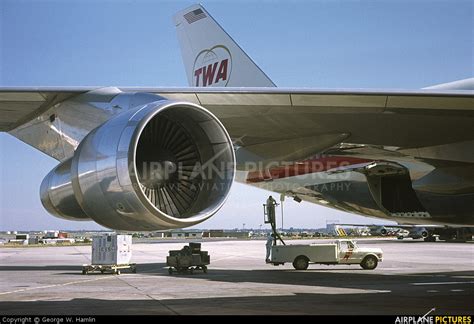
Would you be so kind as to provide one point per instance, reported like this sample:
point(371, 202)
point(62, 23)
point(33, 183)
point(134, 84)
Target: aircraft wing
point(20, 105)
point(303, 120)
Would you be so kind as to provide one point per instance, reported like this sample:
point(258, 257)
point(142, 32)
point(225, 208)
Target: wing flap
point(244, 99)
point(430, 102)
point(353, 101)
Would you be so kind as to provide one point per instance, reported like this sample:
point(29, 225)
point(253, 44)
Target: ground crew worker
point(269, 247)
point(271, 203)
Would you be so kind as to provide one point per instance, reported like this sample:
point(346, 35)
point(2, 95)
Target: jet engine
point(162, 165)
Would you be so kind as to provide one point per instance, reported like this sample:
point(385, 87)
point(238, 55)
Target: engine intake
point(162, 165)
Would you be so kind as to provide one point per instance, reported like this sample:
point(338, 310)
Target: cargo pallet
point(112, 268)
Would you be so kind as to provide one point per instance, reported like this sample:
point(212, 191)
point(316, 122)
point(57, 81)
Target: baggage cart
point(187, 260)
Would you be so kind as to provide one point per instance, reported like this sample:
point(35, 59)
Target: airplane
point(142, 159)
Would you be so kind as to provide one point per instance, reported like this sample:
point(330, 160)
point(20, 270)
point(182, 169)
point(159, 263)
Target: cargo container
point(111, 249)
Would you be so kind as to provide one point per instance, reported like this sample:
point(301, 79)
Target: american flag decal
point(194, 16)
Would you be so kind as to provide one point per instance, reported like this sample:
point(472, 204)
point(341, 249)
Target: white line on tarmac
point(51, 286)
point(237, 256)
point(442, 283)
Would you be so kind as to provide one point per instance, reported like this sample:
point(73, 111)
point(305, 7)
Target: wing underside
point(262, 117)
point(20, 107)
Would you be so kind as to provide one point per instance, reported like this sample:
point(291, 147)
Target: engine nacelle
point(159, 166)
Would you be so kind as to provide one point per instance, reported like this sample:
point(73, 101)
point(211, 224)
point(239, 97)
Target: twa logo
point(212, 67)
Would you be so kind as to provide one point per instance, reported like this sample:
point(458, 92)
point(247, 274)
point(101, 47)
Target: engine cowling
point(159, 166)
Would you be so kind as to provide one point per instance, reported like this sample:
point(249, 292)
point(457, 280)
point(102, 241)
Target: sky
point(316, 44)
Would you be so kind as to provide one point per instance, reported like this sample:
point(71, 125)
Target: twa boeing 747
point(158, 158)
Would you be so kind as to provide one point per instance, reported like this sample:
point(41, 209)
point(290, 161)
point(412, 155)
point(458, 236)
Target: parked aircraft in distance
point(429, 233)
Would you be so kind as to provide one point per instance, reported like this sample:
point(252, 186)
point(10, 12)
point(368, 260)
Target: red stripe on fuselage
point(304, 167)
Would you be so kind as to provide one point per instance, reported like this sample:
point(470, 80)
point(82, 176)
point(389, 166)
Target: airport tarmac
point(413, 278)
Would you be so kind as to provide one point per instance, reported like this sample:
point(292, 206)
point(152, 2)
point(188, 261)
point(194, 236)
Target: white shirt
point(269, 240)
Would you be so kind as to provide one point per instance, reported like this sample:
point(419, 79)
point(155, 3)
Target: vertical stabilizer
point(211, 57)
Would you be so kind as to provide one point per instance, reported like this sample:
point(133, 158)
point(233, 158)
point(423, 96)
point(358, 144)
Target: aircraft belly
point(350, 191)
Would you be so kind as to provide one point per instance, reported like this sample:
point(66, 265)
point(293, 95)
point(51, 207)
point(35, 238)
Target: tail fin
point(465, 84)
point(211, 57)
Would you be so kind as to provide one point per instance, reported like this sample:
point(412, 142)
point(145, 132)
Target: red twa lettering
point(222, 74)
point(208, 72)
point(197, 73)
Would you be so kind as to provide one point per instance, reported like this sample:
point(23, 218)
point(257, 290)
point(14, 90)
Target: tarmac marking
point(457, 290)
point(432, 291)
point(442, 283)
point(82, 253)
point(148, 295)
point(51, 286)
point(231, 289)
point(236, 256)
